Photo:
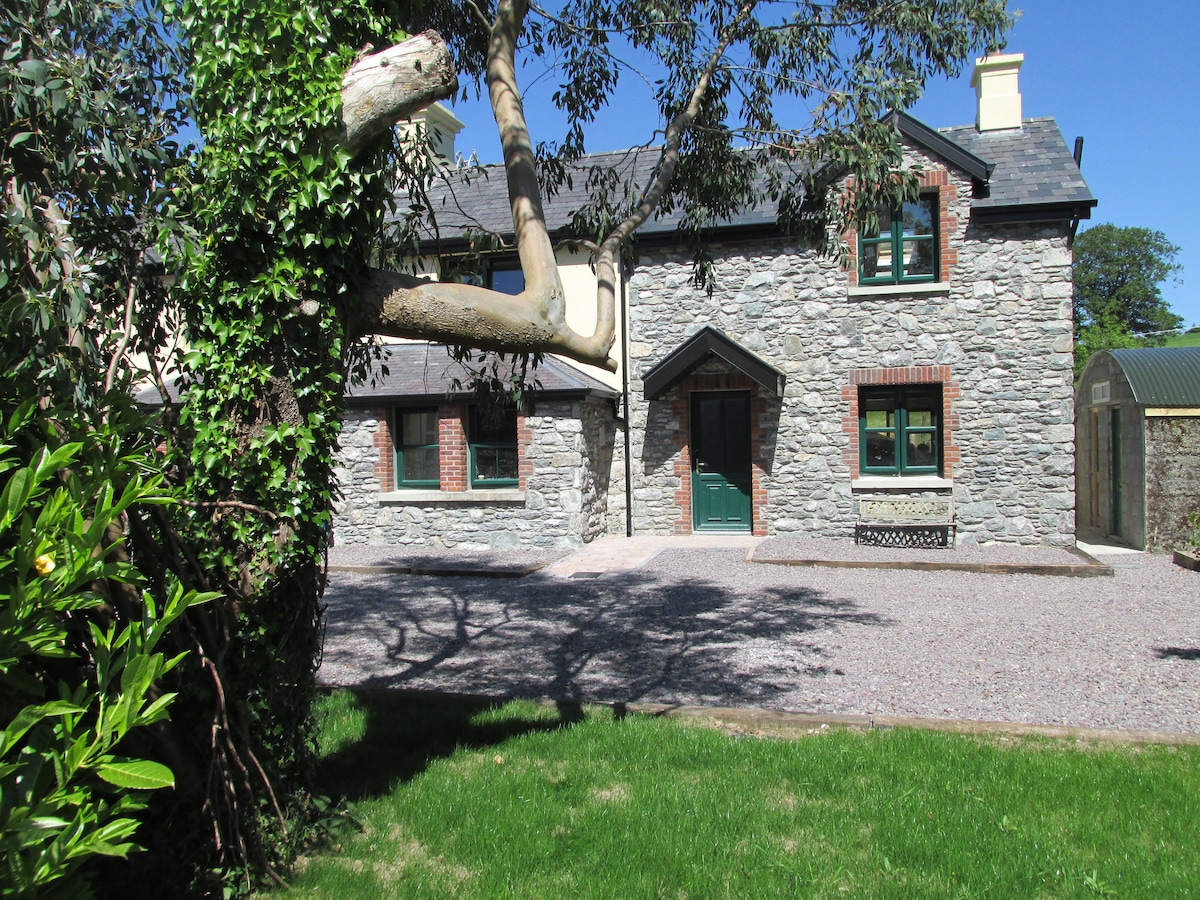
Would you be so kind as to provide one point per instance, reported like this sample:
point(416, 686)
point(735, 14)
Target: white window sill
point(902, 483)
point(900, 290)
point(485, 495)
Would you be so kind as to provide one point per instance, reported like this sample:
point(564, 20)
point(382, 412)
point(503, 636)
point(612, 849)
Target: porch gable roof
point(705, 343)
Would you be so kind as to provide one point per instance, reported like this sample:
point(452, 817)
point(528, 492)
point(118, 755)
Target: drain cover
point(587, 575)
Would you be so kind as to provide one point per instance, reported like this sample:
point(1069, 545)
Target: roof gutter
point(1032, 212)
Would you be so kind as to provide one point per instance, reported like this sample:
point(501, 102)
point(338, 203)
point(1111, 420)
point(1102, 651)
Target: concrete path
point(610, 555)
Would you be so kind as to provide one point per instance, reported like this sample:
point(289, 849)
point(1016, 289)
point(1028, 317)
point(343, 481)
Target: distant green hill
point(1184, 340)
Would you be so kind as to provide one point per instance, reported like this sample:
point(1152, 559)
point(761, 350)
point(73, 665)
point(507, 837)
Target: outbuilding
point(1137, 414)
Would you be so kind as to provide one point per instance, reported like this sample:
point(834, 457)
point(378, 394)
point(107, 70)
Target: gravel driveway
point(707, 627)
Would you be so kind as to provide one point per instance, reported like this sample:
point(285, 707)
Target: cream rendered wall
point(579, 284)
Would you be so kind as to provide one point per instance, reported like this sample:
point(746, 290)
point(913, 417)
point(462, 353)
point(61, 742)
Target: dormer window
point(903, 247)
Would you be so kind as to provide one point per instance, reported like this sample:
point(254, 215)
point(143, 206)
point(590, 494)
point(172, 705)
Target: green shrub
point(78, 657)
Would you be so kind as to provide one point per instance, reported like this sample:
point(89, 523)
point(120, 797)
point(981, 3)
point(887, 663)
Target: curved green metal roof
point(1162, 376)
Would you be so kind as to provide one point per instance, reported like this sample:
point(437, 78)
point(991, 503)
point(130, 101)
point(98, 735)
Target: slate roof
point(705, 343)
point(1033, 177)
point(421, 372)
point(1033, 167)
point(1162, 376)
point(482, 204)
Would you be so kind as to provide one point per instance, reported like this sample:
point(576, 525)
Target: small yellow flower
point(44, 564)
point(499, 759)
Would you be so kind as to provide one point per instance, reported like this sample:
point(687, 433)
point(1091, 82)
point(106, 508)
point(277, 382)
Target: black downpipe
point(1078, 154)
point(625, 403)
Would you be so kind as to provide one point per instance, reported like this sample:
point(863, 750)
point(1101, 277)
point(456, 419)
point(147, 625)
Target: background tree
point(1118, 295)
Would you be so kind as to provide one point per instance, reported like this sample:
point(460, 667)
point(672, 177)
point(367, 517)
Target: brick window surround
point(453, 455)
point(951, 455)
point(682, 409)
point(932, 181)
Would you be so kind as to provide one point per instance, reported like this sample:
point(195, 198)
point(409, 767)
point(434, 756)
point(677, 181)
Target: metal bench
point(922, 522)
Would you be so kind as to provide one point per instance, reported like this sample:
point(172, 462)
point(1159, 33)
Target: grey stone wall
point(1172, 480)
point(564, 503)
point(615, 522)
point(598, 437)
point(1003, 326)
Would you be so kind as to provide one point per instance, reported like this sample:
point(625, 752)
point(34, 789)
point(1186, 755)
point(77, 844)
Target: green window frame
point(900, 430)
point(503, 274)
point(506, 276)
point(492, 443)
point(903, 247)
point(418, 457)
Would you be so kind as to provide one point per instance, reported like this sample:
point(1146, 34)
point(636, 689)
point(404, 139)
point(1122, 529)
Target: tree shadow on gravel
point(1191, 654)
point(636, 637)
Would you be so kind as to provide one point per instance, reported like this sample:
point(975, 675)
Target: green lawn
point(477, 800)
point(1184, 340)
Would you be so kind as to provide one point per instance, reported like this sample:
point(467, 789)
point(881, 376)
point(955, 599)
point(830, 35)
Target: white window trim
point(901, 483)
point(484, 495)
point(876, 290)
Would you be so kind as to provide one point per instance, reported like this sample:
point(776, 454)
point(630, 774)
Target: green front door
point(721, 476)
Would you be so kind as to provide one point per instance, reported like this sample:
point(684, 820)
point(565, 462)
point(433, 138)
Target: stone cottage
point(421, 465)
point(934, 362)
point(1138, 452)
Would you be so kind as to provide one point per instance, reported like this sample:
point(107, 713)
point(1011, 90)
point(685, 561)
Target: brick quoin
point(524, 441)
point(951, 391)
point(452, 447)
point(729, 381)
point(385, 447)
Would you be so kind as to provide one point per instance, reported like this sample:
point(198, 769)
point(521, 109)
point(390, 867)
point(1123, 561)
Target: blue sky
point(1120, 74)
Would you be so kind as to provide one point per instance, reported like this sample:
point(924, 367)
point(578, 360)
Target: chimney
point(440, 123)
point(995, 83)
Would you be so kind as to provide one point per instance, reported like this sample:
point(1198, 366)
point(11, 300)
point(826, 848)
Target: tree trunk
point(383, 88)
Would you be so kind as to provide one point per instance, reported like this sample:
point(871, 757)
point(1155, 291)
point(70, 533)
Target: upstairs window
point(503, 275)
point(903, 248)
point(492, 440)
point(506, 277)
point(417, 459)
point(900, 430)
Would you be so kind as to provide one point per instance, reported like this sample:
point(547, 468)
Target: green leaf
point(30, 716)
point(138, 774)
point(16, 495)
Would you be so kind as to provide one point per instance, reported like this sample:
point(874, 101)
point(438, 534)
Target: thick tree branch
point(542, 282)
point(606, 259)
point(403, 306)
point(381, 89)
